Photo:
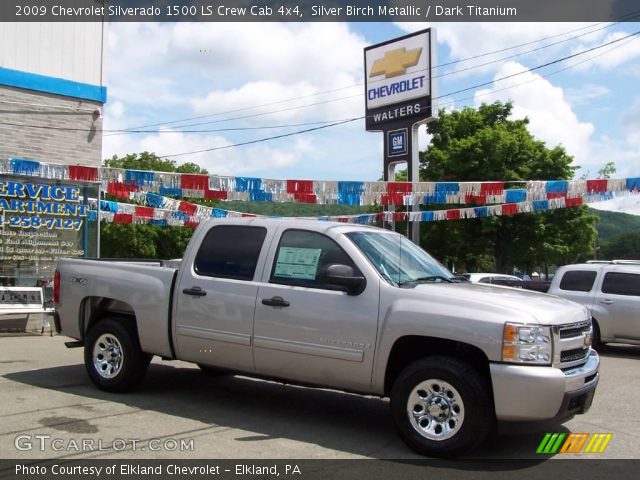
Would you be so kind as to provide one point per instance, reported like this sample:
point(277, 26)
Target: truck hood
point(506, 301)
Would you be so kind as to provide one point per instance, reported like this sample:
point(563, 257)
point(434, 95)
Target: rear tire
point(442, 407)
point(112, 355)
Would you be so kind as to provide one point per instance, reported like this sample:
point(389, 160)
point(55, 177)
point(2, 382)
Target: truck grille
point(571, 332)
point(570, 347)
point(574, 355)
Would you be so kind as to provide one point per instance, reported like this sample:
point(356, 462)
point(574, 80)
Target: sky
point(272, 79)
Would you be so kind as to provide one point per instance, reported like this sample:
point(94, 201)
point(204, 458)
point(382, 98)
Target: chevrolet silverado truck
point(341, 306)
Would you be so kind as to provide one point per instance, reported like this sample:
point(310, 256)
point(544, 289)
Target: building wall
point(71, 50)
point(20, 107)
point(52, 91)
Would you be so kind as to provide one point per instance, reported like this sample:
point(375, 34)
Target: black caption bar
point(319, 10)
point(316, 469)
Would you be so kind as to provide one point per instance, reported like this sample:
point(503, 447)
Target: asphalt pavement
point(49, 409)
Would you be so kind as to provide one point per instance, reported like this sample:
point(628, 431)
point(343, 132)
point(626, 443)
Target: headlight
point(527, 344)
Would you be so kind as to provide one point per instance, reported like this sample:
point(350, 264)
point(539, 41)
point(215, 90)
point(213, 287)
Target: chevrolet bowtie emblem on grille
point(395, 62)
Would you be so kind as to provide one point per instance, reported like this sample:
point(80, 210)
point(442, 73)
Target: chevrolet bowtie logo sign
point(395, 62)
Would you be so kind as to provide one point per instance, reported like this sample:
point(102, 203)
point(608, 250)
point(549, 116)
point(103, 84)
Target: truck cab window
point(230, 251)
point(302, 255)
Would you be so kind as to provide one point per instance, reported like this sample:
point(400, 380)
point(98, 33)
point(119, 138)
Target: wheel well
point(407, 350)
point(95, 309)
point(597, 332)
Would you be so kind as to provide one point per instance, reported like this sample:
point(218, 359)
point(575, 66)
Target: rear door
point(317, 334)
point(619, 297)
point(578, 285)
point(216, 297)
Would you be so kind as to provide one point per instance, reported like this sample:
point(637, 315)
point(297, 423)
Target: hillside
point(611, 224)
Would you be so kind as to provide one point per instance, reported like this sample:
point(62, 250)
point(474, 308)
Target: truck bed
point(118, 287)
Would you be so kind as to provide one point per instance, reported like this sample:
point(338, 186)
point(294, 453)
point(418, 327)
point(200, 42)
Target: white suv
point(611, 290)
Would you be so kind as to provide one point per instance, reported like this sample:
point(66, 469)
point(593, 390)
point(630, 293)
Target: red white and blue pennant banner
point(126, 184)
point(179, 213)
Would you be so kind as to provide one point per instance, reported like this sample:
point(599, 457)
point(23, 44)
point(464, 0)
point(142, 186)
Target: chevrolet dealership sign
point(398, 80)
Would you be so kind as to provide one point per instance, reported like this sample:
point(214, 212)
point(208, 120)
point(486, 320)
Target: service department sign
point(398, 80)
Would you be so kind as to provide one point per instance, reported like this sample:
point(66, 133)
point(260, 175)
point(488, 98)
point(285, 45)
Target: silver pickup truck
point(343, 306)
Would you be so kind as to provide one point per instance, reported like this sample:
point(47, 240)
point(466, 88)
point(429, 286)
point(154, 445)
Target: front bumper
point(524, 393)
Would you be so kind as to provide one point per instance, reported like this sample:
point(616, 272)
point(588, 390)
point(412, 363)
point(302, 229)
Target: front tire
point(113, 357)
point(442, 407)
point(596, 342)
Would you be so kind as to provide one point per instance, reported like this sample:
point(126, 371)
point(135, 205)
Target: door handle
point(275, 302)
point(606, 301)
point(194, 291)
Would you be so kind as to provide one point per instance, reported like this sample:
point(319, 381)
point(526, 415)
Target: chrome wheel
point(435, 409)
point(107, 356)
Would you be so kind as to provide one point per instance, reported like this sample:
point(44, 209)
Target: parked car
point(507, 281)
point(342, 306)
point(489, 277)
point(611, 290)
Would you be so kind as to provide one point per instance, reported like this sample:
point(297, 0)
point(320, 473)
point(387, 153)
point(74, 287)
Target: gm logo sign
point(397, 142)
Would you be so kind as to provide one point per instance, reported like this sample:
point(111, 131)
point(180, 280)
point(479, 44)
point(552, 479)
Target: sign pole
point(398, 98)
point(414, 176)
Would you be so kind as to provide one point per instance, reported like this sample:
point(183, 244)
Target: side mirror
point(344, 276)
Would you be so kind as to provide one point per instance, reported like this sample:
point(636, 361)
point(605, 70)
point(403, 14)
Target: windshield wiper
point(426, 279)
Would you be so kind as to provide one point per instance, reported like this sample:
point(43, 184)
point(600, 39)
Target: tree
point(190, 167)
point(151, 162)
point(622, 247)
point(121, 240)
point(607, 170)
point(485, 144)
point(172, 241)
point(146, 241)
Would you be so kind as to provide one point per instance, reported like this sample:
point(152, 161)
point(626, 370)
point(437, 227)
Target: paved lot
point(44, 391)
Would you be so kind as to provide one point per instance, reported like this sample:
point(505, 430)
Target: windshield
point(399, 261)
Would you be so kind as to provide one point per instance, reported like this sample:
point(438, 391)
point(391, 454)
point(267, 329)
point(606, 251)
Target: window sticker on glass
point(300, 263)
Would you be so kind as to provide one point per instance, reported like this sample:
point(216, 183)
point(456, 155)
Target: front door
point(306, 330)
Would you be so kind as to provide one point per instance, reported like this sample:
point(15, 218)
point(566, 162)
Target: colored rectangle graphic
point(574, 443)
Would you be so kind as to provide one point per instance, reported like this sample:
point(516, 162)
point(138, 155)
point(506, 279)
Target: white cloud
point(623, 203)
point(603, 150)
point(115, 109)
point(164, 72)
point(477, 39)
point(607, 58)
point(223, 55)
point(631, 118)
point(550, 115)
point(281, 103)
point(225, 161)
point(623, 150)
point(586, 94)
